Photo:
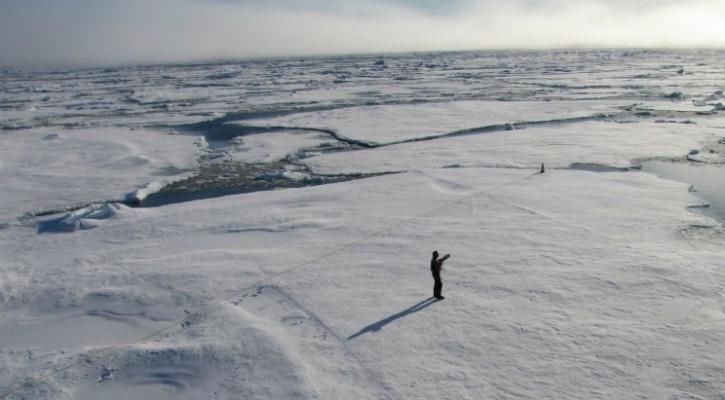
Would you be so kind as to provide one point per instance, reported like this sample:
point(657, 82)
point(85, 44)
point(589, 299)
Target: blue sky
point(103, 32)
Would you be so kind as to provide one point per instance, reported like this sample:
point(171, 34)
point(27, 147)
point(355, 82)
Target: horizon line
point(252, 58)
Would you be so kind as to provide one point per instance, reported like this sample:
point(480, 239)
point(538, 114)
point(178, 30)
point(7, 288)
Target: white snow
point(45, 169)
point(391, 123)
point(559, 146)
point(571, 284)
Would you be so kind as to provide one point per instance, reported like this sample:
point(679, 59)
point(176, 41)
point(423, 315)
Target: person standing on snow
point(436, 265)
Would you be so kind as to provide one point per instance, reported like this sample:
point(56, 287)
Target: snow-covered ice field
point(593, 280)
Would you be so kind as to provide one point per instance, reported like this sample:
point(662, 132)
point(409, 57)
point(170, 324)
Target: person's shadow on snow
point(376, 326)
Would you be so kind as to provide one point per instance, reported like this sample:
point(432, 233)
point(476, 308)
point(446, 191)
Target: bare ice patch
point(705, 180)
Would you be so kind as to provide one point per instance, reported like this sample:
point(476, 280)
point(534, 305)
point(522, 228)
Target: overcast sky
point(102, 32)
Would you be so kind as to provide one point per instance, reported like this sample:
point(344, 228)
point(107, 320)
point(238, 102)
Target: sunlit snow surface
point(593, 280)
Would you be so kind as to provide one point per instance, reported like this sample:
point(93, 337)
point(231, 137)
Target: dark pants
point(437, 286)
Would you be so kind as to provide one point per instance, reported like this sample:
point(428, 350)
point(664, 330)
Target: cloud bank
point(101, 32)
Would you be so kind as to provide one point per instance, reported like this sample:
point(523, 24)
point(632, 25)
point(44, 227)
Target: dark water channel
point(216, 180)
point(708, 181)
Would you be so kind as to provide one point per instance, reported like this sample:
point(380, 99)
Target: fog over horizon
point(39, 33)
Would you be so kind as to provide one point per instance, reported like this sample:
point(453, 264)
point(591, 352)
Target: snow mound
point(226, 351)
point(283, 174)
point(138, 195)
point(86, 218)
point(706, 157)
